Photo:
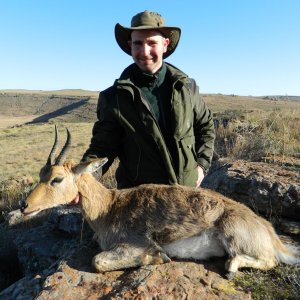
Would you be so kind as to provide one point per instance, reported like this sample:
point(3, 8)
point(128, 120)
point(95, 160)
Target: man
point(153, 118)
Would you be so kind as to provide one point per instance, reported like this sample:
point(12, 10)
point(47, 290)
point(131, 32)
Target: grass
point(64, 92)
point(220, 103)
point(260, 136)
point(26, 148)
point(11, 195)
point(280, 283)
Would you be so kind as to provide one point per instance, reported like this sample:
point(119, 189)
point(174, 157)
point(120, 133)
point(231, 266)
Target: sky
point(249, 47)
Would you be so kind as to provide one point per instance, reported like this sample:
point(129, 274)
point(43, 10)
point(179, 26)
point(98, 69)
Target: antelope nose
point(23, 205)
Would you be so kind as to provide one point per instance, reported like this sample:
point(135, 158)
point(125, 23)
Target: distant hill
point(282, 98)
point(69, 105)
point(65, 92)
point(80, 105)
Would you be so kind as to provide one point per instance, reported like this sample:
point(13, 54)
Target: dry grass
point(65, 92)
point(25, 149)
point(220, 103)
point(8, 121)
point(261, 136)
point(10, 196)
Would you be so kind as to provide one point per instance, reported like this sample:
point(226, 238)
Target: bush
point(259, 136)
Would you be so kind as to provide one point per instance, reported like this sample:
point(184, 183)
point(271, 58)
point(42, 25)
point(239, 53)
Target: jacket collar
point(143, 79)
point(127, 76)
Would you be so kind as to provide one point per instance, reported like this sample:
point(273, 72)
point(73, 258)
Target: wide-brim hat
point(147, 20)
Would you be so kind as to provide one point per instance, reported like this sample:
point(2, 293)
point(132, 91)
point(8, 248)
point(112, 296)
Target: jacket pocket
point(188, 155)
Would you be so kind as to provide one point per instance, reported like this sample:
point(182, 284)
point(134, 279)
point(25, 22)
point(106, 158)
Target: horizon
point(97, 92)
point(248, 48)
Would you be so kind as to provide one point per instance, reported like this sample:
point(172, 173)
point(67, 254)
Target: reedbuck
point(150, 223)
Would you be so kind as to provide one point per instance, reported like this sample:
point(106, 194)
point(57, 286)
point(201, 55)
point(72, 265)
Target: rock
point(46, 238)
point(9, 264)
point(14, 217)
point(290, 227)
point(74, 279)
point(267, 189)
point(67, 219)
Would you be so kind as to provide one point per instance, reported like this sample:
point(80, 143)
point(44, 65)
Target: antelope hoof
point(230, 275)
point(100, 265)
point(157, 259)
point(165, 258)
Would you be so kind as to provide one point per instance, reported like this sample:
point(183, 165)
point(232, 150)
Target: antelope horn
point(62, 155)
point(51, 156)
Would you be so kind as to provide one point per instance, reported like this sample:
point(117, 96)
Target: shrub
point(259, 136)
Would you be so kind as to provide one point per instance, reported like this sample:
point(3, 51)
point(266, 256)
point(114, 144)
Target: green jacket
point(127, 129)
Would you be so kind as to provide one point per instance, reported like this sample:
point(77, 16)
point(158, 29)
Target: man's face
point(147, 49)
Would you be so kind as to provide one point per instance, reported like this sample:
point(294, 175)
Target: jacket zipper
point(146, 103)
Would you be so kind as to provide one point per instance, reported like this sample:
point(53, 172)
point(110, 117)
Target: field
point(27, 147)
point(258, 128)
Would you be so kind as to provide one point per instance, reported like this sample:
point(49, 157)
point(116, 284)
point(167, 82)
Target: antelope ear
point(90, 166)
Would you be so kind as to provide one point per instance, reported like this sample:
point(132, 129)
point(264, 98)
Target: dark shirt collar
point(142, 79)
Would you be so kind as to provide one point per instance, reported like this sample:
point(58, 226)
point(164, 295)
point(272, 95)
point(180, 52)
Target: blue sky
point(249, 47)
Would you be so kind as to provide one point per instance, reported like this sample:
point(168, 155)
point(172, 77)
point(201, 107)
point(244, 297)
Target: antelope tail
point(286, 254)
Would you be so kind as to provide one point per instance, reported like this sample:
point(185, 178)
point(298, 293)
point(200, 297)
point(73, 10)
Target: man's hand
point(200, 176)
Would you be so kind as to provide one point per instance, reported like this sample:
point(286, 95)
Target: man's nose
point(145, 49)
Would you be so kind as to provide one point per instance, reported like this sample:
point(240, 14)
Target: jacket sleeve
point(106, 133)
point(203, 129)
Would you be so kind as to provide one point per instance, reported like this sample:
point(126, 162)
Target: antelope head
point(57, 183)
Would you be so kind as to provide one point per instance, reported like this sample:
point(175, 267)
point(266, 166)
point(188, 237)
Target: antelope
point(152, 223)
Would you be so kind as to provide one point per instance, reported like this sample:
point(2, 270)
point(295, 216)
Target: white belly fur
point(200, 247)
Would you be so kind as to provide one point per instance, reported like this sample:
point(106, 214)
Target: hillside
point(40, 107)
point(21, 106)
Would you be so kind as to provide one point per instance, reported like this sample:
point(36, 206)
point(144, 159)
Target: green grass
point(280, 283)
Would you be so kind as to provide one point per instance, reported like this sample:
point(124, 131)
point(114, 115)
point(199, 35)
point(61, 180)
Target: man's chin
point(147, 68)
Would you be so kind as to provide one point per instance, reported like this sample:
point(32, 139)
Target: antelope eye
point(56, 180)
